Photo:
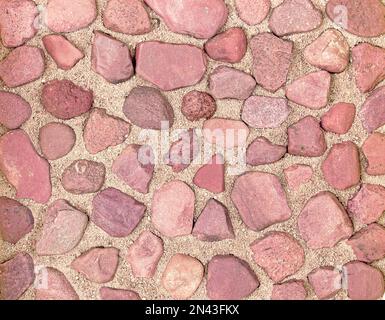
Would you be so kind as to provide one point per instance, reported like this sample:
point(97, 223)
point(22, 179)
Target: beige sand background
point(111, 97)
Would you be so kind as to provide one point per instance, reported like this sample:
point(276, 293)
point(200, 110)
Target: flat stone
point(211, 176)
point(323, 222)
point(230, 83)
point(265, 112)
point(173, 209)
point(230, 278)
point(66, 100)
point(170, 66)
point(272, 57)
point(325, 281)
point(63, 228)
point(372, 112)
point(198, 105)
point(252, 12)
point(14, 110)
point(297, 175)
point(116, 213)
point(290, 290)
point(339, 119)
point(182, 276)
point(374, 151)
point(262, 151)
point(24, 168)
point(22, 65)
point(117, 294)
point(260, 200)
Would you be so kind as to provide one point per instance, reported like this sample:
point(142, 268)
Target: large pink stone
point(252, 12)
point(374, 151)
point(260, 200)
point(262, 151)
point(372, 112)
point(173, 209)
point(339, 118)
point(297, 175)
point(325, 281)
point(14, 110)
point(201, 19)
point(323, 222)
point(212, 175)
point(24, 168)
point(289, 290)
point(170, 66)
point(117, 294)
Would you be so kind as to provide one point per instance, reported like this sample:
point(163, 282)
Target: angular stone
point(252, 12)
point(23, 65)
point(126, 16)
point(147, 108)
point(83, 176)
point(116, 213)
point(200, 19)
point(306, 138)
point(135, 167)
point(170, 66)
point(229, 46)
point(297, 175)
point(310, 90)
point(374, 151)
point(62, 51)
point(372, 112)
point(24, 168)
point(198, 105)
point(173, 209)
point(70, 15)
point(230, 83)
point(117, 294)
point(16, 220)
point(66, 100)
point(339, 118)
point(260, 200)
point(16, 276)
point(290, 290)
point(62, 230)
point(56, 140)
point(323, 222)
point(102, 131)
point(325, 281)
point(272, 57)
point(330, 51)
point(368, 204)
point(265, 112)
point(295, 16)
point(212, 175)
point(111, 58)
point(230, 278)
point(341, 167)
point(144, 254)
point(97, 264)
point(262, 151)
point(182, 276)
point(369, 66)
point(14, 110)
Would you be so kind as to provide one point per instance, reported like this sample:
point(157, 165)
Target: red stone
point(325, 281)
point(339, 118)
point(372, 112)
point(374, 151)
point(117, 294)
point(198, 105)
point(212, 175)
point(252, 12)
point(297, 175)
point(14, 110)
point(262, 151)
point(290, 290)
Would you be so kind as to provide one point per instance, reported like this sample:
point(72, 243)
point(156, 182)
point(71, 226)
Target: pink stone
point(182, 276)
point(170, 66)
point(325, 281)
point(265, 112)
point(144, 254)
point(24, 168)
point(14, 110)
point(97, 264)
point(272, 57)
point(368, 204)
point(70, 15)
point(339, 118)
point(214, 223)
point(260, 200)
point(135, 167)
point(295, 16)
point(111, 58)
point(262, 151)
point(117, 294)
point(341, 168)
point(197, 105)
point(173, 209)
point(116, 213)
point(23, 65)
point(66, 100)
point(16, 220)
point(200, 19)
point(252, 12)
point(102, 131)
point(212, 175)
point(323, 222)
point(126, 16)
point(369, 66)
point(279, 254)
point(62, 51)
point(290, 290)
point(372, 112)
point(297, 175)
point(374, 151)
point(83, 176)
point(230, 278)
point(62, 230)
point(56, 140)
point(228, 46)
point(306, 138)
point(310, 90)
point(230, 83)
